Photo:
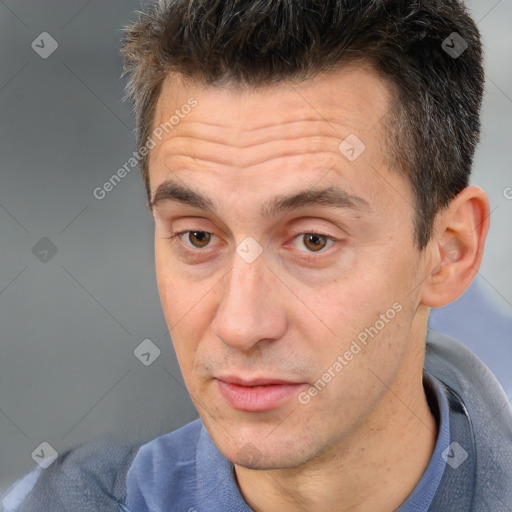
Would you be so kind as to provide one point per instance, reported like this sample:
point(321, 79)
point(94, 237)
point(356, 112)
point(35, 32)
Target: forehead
point(354, 95)
point(282, 129)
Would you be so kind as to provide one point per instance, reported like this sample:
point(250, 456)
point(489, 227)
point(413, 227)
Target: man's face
point(252, 296)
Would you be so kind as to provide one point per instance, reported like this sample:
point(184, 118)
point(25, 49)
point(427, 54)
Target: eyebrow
point(332, 196)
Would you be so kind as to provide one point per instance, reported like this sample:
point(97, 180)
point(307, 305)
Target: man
point(307, 166)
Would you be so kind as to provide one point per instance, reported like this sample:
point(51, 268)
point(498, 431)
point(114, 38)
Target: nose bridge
point(243, 316)
point(245, 279)
point(244, 289)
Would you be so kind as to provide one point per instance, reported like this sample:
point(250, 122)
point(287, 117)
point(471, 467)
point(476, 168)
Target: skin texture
point(364, 441)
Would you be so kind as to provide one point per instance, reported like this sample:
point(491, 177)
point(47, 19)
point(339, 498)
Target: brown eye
point(314, 242)
point(311, 242)
point(202, 238)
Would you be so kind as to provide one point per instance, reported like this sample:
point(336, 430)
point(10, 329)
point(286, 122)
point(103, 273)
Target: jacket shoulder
point(88, 477)
point(490, 417)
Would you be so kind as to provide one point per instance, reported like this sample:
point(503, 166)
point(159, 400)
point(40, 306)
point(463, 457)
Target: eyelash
point(308, 255)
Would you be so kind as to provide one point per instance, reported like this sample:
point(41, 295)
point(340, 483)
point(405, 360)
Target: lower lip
point(257, 398)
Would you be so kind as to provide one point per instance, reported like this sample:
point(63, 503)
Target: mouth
point(256, 395)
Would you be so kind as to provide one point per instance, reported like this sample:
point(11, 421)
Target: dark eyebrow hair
point(331, 196)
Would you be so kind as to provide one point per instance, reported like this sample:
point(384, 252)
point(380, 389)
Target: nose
point(249, 311)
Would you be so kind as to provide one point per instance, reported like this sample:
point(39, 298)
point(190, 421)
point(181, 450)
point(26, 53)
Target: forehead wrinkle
point(242, 137)
point(243, 129)
point(186, 137)
point(249, 156)
point(236, 163)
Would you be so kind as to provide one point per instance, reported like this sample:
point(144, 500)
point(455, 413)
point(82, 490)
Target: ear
point(457, 247)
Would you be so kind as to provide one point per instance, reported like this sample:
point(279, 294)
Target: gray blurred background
point(77, 283)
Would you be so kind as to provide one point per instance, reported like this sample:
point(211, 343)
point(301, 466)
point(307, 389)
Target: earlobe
point(457, 247)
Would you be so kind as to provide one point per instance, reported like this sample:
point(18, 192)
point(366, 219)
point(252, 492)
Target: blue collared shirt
point(198, 478)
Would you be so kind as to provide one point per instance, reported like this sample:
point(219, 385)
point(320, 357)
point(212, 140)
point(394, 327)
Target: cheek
point(369, 304)
point(357, 295)
point(181, 305)
point(168, 291)
point(178, 295)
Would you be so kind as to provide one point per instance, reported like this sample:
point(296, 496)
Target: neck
point(375, 468)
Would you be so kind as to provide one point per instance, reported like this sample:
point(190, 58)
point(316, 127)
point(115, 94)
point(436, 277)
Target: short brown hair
point(434, 123)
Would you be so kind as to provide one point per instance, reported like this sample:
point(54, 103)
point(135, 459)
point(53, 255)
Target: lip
point(256, 395)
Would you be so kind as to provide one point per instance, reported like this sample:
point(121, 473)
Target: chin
point(259, 445)
point(264, 455)
point(249, 458)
